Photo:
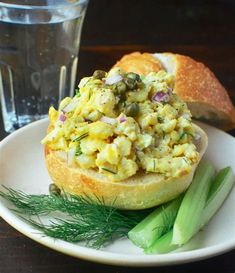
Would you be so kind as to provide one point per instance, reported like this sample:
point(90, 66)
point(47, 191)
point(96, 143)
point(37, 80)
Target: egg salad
point(120, 124)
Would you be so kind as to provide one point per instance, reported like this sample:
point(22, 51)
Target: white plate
point(22, 167)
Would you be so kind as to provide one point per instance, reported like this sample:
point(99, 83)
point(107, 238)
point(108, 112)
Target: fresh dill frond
point(77, 92)
point(89, 95)
point(168, 219)
point(42, 204)
point(75, 231)
point(80, 137)
point(185, 134)
point(78, 150)
point(154, 164)
point(108, 170)
point(83, 218)
point(162, 229)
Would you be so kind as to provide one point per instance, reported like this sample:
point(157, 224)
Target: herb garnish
point(78, 151)
point(168, 220)
point(77, 92)
point(108, 170)
point(184, 134)
point(81, 137)
point(85, 219)
point(154, 165)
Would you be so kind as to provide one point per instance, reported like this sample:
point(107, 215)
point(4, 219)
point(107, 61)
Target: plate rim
point(102, 256)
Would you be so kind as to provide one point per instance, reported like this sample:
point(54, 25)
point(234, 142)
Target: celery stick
point(155, 224)
point(162, 244)
point(221, 186)
point(193, 204)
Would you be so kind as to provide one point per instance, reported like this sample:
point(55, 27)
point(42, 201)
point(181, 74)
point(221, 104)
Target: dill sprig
point(79, 138)
point(168, 220)
point(108, 170)
point(77, 92)
point(95, 231)
point(86, 219)
point(185, 134)
point(78, 150)
point(43, 204)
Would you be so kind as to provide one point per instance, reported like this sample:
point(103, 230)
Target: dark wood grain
point(21, 255)
point(204, 30)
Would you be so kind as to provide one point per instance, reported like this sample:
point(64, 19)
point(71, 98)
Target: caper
point(99, 74)
point(122, 97)
point(53, 189)
point(130, 83)
point(140, 85)
point(133, 76)
point(132, 110)
point(120, 87)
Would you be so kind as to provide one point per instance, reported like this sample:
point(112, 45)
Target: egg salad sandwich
point(205, 96)
point(124, 138)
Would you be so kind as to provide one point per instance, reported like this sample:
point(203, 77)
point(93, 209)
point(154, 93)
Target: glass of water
point(39, 45)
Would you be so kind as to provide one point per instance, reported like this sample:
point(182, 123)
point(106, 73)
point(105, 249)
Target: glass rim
point(31, 7)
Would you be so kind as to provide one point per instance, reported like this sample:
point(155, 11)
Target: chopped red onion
point(62, 117)
point(161, 97)
point(122, 118)
point(108, 120)
point(113, 79)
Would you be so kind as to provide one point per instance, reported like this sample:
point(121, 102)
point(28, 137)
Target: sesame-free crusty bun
point(139, 63)
point(143, 190)
point(206, 98)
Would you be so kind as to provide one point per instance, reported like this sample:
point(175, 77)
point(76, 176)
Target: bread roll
point(139, 63)
point(207, 99)
point(143, 190)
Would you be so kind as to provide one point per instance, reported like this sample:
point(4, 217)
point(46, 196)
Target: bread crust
point(137, 192)
point(196, 84)
point(139, 63)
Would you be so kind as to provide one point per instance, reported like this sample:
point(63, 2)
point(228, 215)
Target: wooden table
point(201, 29)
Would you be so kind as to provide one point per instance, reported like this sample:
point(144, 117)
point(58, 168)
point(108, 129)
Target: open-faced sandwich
point(126, 142)
point(124, 137)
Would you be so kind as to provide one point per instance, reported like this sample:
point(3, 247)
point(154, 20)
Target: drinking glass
point(39, 43)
